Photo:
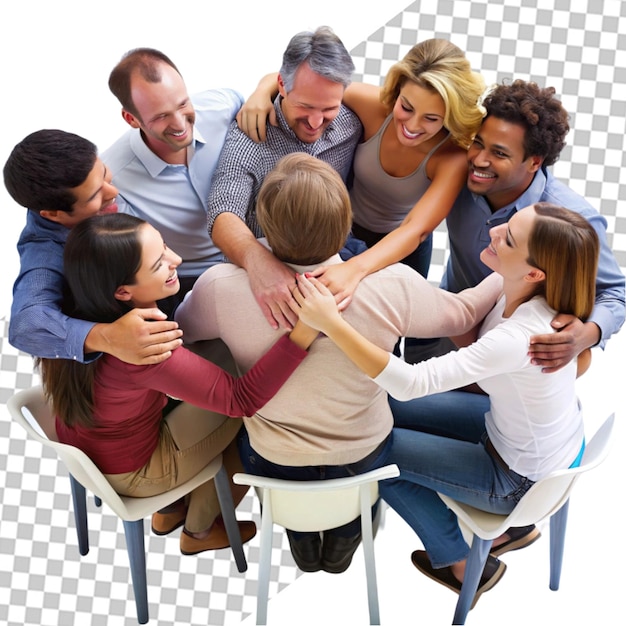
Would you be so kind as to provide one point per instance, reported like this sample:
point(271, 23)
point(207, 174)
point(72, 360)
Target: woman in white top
point(490, 449)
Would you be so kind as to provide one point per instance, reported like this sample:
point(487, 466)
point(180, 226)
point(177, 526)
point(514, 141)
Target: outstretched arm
point(39, 327)
point(427, 213)
point(140, 337)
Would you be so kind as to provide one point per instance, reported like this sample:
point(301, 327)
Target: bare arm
point(427, 213)
point(270, 279)
point(141, 337)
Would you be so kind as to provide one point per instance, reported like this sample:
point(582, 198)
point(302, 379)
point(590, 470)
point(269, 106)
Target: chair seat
point(547, 498)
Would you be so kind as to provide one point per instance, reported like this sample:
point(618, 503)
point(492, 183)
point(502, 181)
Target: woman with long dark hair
point(150, 428)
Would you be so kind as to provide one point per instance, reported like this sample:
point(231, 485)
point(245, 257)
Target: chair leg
point(265, 557)
point(137, 557)
point(368, 552)
point(558, 526)
point(473, 571)
point(79, 498)
point(225, 497)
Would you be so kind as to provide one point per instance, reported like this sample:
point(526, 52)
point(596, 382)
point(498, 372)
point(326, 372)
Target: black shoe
point(337, 552)
point(519, 537)
point(493, 572)
point(307, 551)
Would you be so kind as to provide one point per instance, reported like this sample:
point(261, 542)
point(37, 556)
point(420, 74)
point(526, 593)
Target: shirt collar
point(154, 164)
point(301, 269)
point(531, 195)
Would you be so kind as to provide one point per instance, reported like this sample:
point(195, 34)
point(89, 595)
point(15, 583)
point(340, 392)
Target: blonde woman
point(411, 163)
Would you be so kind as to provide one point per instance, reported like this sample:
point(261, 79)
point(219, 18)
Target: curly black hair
point(536, 109)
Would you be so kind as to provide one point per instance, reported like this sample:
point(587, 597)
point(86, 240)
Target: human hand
point(272, 282)
point(555, 350)
point(254, 115)
point(316, 305)
point(140, 337)
point(341, 279)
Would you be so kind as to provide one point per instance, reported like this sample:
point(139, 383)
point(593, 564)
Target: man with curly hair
point(523, 134)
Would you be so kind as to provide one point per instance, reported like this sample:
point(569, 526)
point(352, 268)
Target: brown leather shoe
point(216, 539)
point(165, 523)
point(519, 537)
point(493, 572)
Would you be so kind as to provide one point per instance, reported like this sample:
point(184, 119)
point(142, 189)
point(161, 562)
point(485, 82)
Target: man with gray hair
point(316, 70)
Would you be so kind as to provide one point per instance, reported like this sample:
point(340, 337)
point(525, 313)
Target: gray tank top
point(379, 201)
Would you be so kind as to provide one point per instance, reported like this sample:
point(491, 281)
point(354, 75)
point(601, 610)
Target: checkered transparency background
point(579, 48)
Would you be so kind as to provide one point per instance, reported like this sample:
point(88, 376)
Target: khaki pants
point(190, 439)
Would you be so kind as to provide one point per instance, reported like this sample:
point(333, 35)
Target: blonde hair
point(304, 210)
point(440, 66)
point(564, 245)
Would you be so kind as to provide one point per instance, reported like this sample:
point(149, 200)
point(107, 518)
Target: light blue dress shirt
point(173, 197)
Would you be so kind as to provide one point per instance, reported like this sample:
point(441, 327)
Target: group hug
point(250, 278)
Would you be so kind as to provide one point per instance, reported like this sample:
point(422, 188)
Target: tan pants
point(190, 439)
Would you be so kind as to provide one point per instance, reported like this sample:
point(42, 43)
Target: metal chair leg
point(79, 498)
point(137, 557)
point(558, 526)
point(225, 497)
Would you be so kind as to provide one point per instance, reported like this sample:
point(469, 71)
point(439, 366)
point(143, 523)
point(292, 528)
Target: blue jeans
point(255, 464)
point(449, 458)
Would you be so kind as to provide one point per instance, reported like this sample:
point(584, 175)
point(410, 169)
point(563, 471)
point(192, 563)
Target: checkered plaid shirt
point(244, 164)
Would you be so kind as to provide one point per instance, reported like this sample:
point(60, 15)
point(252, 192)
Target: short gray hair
point(323, 51)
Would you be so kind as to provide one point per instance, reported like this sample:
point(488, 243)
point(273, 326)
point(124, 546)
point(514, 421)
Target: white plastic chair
point(548, 497)
point(317, 505)
point(31, 411)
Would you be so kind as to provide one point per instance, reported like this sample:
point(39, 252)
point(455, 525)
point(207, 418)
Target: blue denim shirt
point(471, 218)
point(37, 325)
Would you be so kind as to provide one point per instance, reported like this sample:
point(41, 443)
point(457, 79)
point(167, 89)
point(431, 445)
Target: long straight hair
point(101, 254)
point(564, 245)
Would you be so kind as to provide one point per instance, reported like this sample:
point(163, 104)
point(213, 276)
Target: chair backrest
point(31, 411)
point(317, 504)
point(543, 499)
point(547, 495)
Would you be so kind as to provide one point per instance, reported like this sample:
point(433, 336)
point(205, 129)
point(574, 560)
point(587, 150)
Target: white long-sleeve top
point(535, 420)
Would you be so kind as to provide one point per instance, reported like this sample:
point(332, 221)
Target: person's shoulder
point(557, 192)
point(120, 153)
point(216, 99)
point(398, 272)
point(535, 314)
point(219, 272)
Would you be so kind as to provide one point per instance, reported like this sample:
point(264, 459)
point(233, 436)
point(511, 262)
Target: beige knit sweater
point(328, 412)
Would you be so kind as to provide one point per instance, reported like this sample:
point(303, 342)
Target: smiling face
point(312, 104)
point(165, 114)
point(156, 278)
point(96, 195)
point(498, 168)
point(507, 254)
point(418, 114)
